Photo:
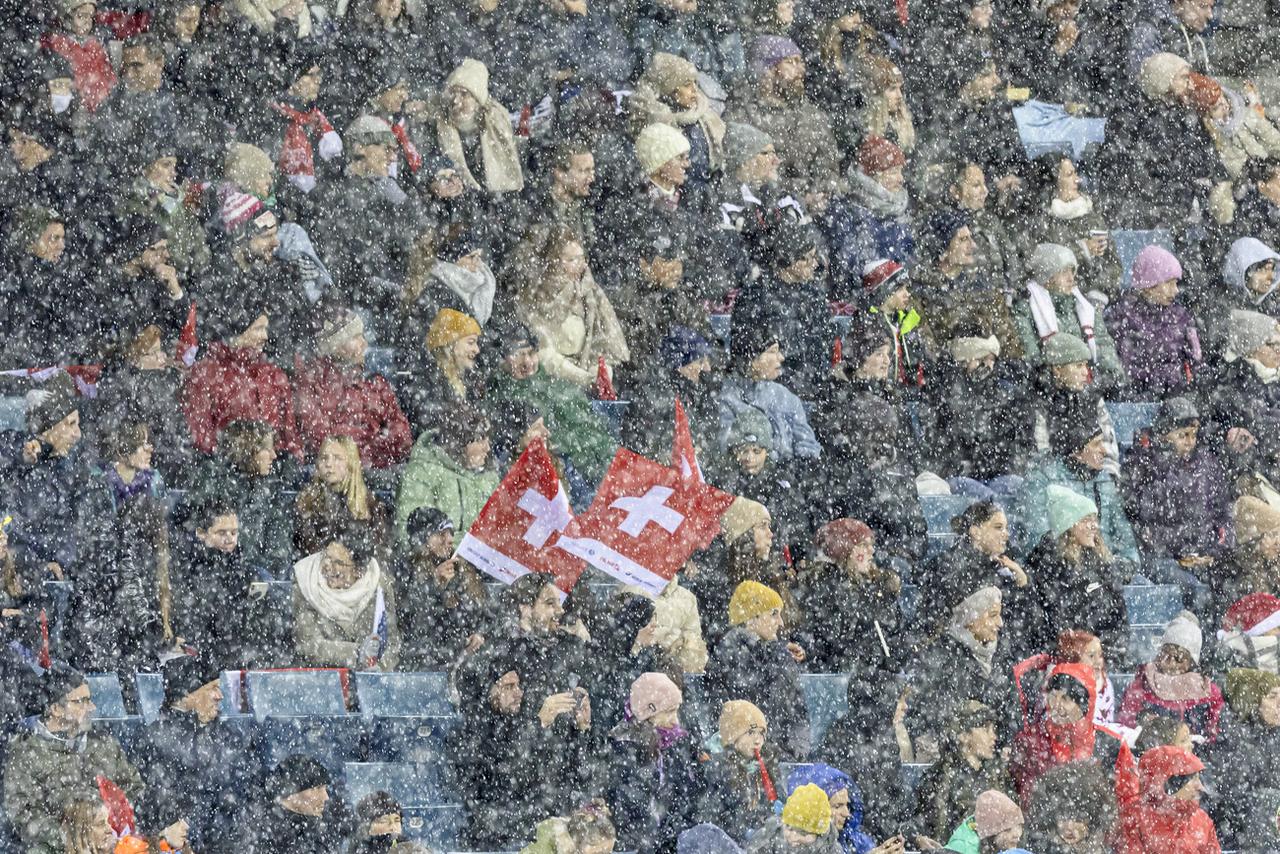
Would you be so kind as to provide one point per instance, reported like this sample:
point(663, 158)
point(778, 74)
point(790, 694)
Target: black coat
point(947, 579)
point(802, 314)
point(946, 676)
point(744, 667)
point(1088, 595)
point(499, 764)
point(217, 612)
point(842, 617)
point(733, 795)
point(653, 795)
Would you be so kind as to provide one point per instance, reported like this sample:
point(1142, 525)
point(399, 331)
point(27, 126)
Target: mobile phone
point(1098, 232)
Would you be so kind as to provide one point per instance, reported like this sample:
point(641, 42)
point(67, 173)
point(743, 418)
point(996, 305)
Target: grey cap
point(1063, 348)
point(751, 427)
point(741, 143)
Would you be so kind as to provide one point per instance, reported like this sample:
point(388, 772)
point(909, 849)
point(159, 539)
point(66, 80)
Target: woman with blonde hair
point(570, 314)
point(337, 498)
point(668, 92)
point(85, 829)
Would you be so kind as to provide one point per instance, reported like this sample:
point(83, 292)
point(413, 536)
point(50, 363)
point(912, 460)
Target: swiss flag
point(684, 457)
point(119, 811)
point(518, 527)
point(604, 385)
point(187, 344)
point(645, 521)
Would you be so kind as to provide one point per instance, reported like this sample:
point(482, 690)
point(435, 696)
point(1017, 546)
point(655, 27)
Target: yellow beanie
point(751, 599)
point(737, 718)
point(808, 809)
point(450, 326)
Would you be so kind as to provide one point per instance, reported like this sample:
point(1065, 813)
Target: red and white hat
point(882, 273)
point(1253, 615)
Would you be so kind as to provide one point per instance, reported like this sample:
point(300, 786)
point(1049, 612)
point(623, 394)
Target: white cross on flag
point(517, 530)
point(645, 521)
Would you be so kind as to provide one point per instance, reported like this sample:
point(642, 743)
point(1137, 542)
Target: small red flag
point(187, 344)
point(837, 352)
point(684, 456)
point(604, 385)
point(119, 810)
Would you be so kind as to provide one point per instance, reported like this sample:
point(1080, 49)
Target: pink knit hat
point(994, 813)
point(652, 694)
point(1154, 266)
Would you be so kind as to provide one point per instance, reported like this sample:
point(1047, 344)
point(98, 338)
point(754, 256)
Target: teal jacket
point(1103, 490)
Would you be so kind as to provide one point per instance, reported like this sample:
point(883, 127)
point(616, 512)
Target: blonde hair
point(79, 821)
point(352, 488)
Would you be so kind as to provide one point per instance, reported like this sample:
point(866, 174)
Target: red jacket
point(235, 384)
point(335, 400)
point(1152, 821)
point(1200, 713)
point(90, 66)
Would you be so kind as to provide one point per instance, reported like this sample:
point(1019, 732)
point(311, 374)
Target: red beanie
point(1204, 93)
point(837, 539)
point(877, 154)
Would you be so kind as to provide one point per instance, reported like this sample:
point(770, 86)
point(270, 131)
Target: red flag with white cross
point(517, 529)
point(645, 522)
point(684, 456)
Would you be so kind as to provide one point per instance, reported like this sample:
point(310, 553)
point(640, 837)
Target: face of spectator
point(666, 719)
point(1072, 831)
point(877, 365)
point(971, 190)
point(980, 367)
point(686, 96)
point(1162, 294)
point(1009, 838)
point(1195, 14)
point(891, 179)
point(1260, 277)
point(64, 435)
point(1268, 547)
point(761, 169)
point(802, 269)
point(255, 337)
point(672, 173)
point(1190, 790)
point(1085, 533)
point(264, 243)
point(463, 107)
point(476, 454)
point(353, 350)
point(186, 21)
point(387, 825)
point(980, 742)
point(1093, 657)
point(768, 365)
point(543, 616)
point(849, 22)
point(307, 87)
point(899, 300)
point(223, 533)
point(785, 12)
point(1269, 353)
point(1068, 184)
point(576, 180)
point(1269, 708)
point(48, 247)
point(80, 21)
point(162, 173)
point(523, 363)
point(665, 273)
point(1066, 10)
point(962, 249)
point(447, 184)
point(1093, 454)
point(472, 261)
point(339, 567)
point(1062, 282)
point(789, 75)
point(694, 370)
point(307, 802)
point(140, 458)
point(572, 262)
point(440, 544)
point(331, 465)
point(750, 742)
point(265, 457)
point(751, 458)
point(507, 696)
point(980, 15)
point(992, 536)
point(155, 256)
point(102, 837)
point(71, 715)
point(1270, 186)
point(1182, 440)
point(986, 629)
point(684, 7)
point(766, 626)
point(1173, 660)
point(464, 351)
point(797, 838)
point(392, 100)
point(142, 70)
point(859, 560)
point(388, 10)
point(839, 810)
point(1073, 375)
point(27, 150)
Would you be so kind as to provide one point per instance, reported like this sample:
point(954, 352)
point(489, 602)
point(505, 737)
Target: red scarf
point(296, 155)
point(90, 66)
point(769, 791)
point(406, 145)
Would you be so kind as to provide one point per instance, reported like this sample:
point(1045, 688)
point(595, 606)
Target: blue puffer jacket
point(852, 838)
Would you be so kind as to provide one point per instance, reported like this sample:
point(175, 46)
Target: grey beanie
point(50, 404)
point(1049, 259)
point(751, 427)
point(1249, 331)
point(1174, 413)
point(741, 143)
point(1064, 348)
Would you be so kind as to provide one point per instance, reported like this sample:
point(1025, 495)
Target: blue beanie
point(682, 346)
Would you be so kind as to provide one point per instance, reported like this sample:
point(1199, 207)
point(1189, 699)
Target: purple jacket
point(1177, 507)
point(1157, 344)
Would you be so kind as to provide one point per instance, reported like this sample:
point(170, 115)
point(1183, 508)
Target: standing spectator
point(668, 92)
point(439, 379)
point(967, 765)
point(1164, 814)
point(757, 357)
point(84, 50)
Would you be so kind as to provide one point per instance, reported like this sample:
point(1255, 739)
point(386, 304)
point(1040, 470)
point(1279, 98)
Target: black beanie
point(375, 805)
point(186, 674)
point(753, 339)
point(1078, 693)
point(298, 773)
point(59, 681)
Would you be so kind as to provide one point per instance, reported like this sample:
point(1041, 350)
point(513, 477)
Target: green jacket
point(185, 233)
point(1064, 306)
point(434, 479)
point(964, 840)
point(43, 775)
point(1102, 490)
point(552, 838)
point(577, 432)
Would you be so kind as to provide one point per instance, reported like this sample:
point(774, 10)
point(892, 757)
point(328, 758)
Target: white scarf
point(1256, 652)
point(1074, 209)
point(341, 606)
point(1265, 374)
point(1046, 317)
point(983, 653)
point(475, 289)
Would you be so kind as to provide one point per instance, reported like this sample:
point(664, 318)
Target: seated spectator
point(452, 472)
point(753, 472)
point(1259, 211)
point(1073, 808)
point(472, 129)
point(1175, 489)
point(288, 120)
point(668, 92)
point(653, 763)
point(76, 39)
point(958, 667)
point(336, 398)
point(157, 194)
point(569, 313)
point(876, 220)
point(753, 663)
point(1250, 634)
point(1250, 566)
point(145, 386)
point(1250, 276)
point(1243, 772)
point(445, 271)
point(885, 112)
point(1164, 814)
point(588, 830)
point(1066, 395)
point(996, 825)
point(1080, 647)
point(439, 380)
point(336, 499)
point(888, 300)
point(682, 371)
point(381, 825)
point(740, 781)
point(804, 824)
point(247, 474)
point(344, 609)
point(22, 601)
point(1067, 217)
point(236, 382)
point(1240, 135)
point(757, 356)
point(967, 765)
point(86, 827)
point(623, 646)
point(60, 761)
point(1156, 338)
point(997, 256)
point(1055, 304)
point(295, 808)
point(443, 600)
point(677, 625)
point(845, 800)
point(1172, 684)
point(844, 593)
point(1242, 397)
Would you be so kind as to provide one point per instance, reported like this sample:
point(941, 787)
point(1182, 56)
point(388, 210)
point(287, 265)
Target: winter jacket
point(869, 225)
point(323, 642)
point(947, 676)
point(46, 499)
point(1100, 487)
point(44, 774)
point(678, 625)
point(1158, 345)
point(150, 397)
point(1152, 821)
point(54, 318)
point(1070, 224)
point(792, 435)
point(269, 827)
point(660, 29)
point(850, 620)
point(649, 423)
point(359, 227)
point(183, 231)
point(949, 790)
point(1237, 396)
point(965, 305)
point(436, 620)
point(973, 435)
point(238, 384)
point(217, 612)
point(90, 65)
point(266, 522)
point(321, 515)
point(804, 139)
point(745, 667)
point(944, 580)
point(433, 478)
point(801, 316)
point(1178, 506)
point(652, 793)
point(768, 839)
point(1107, 364)
point(1200, 712)
point(734, 795)
point(337, 400)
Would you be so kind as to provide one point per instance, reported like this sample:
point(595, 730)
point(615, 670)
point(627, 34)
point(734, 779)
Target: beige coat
point(502, 170)
point(322, 642)
point(675, 612)
point(576, 325)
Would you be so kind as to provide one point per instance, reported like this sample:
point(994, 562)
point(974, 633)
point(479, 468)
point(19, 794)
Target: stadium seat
point(13, 412)
point(410, 715)
point(411, 784)
point(438, 826)
point(908, 599)
point(332, 740)
point(1129, 419)
point(110, 713)
point(150, 695)
point(938, 511)
point(59, 593)
point(826, 697)
point(1144, 639)
point(936, 544)
point(381, 361)
point(1152, 603)
point(291, 693)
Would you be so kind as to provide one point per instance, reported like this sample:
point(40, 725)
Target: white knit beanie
point(1248, 331)
point(1184, 631)
point(473, 76)
point(1157, 73)
point(657, 144)
point(971, 349)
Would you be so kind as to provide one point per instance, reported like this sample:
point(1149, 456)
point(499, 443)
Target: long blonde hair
point(79, 821)
point(353, 488)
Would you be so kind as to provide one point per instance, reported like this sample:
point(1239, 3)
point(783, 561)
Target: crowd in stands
point(970, 305)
